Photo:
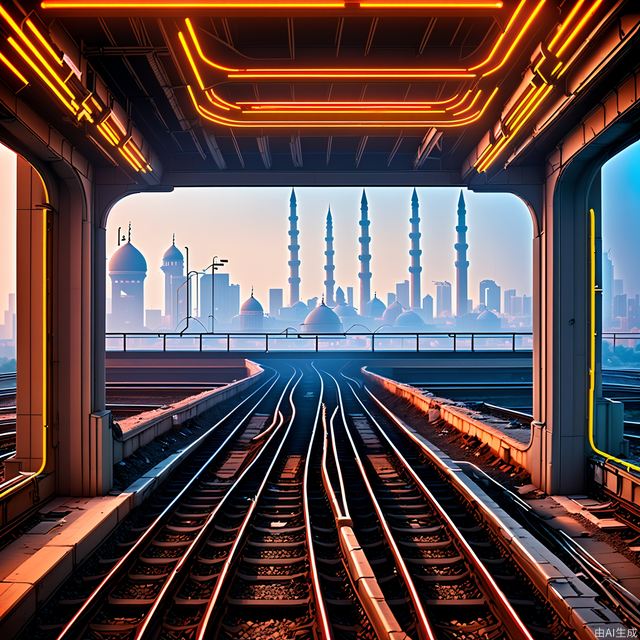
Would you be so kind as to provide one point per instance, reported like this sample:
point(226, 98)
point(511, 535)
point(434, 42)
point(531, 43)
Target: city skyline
point(389, 212)
point(151, 216)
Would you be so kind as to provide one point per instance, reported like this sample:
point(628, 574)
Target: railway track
point(460, 582)
point(113, 593)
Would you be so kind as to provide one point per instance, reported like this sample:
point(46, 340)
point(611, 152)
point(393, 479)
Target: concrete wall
point(179, 413)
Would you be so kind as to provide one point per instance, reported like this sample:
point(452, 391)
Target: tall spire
point(294, 248)
point(329, 268)
point(365, 256)
point(415, 252)
point(462, 264)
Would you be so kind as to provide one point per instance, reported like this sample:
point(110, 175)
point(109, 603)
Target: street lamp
point(216, 262)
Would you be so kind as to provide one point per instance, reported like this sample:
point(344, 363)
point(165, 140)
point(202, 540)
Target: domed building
point(251, 315)
point(321, 320)
point(409, 321)
point(376, 307)
point(175, 303)
point(127, 271)
point(346, 313)
point(392, 312)
point(487, 321)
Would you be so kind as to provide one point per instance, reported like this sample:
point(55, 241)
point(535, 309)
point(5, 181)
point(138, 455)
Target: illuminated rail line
point(112, 589)
point(465, 581)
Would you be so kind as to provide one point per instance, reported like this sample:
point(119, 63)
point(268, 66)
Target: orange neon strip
point(354, 123)
point(517, 39)
point(268, 4)
point(215, 96)
point(13, 68)
point(192, 62)
point(522, 102)
point(196, 43)
point(470, 105)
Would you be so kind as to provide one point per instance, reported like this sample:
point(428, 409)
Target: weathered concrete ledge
point(509, 449)
point(145, 427)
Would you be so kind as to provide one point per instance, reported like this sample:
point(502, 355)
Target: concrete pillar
point(84, 445)
point(32, 325)
point(561, 325)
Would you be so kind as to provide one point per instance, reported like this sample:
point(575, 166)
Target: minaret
point(365, 256)
point(415, 252)
point(462, 264)
point(329, 268)
point(294, 248)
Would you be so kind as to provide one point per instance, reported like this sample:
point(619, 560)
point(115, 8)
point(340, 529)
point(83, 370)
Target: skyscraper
point(427, 308)
point(489, 295)
point(276, 302)
point(294, 249)
point(365, 256)
point(403, 293)
point(508, 295)
point(329, 268)
point(462, 264)
point(175, 295)
point(443, 299)
point(607, 291)
point(415, 252)
point(226, 300)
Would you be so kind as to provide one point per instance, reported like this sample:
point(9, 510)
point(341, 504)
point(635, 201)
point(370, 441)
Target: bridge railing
point(366, 342)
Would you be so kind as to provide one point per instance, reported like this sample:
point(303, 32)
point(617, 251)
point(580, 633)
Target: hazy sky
point(249, 226)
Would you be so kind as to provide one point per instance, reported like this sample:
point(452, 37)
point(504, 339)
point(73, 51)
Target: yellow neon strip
point(470, 105)
point(220, 100)
point(527, 97)
point(37, 69)
point(565, 24)
point(192, 62)
point(44, 42)
point(517, 39)
point(196, 43)
point(592, 355)
point(107, 134)
point(34, 49)
point(13, 68)
point(579, 26)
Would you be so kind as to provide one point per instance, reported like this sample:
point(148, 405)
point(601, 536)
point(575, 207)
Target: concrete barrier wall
point(180, 412)
point(503, 445)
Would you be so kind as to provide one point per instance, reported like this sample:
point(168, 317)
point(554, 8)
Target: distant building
point(462, 264)
point(527, 306)
point(443, 299)
point(403, 293)
point(350, 296)
point(508, 297)
point(620, 305)
point(376, 307)
point(251, 315)
point(127, 271)
point(276, 302)
point(517, 306)
point(321, 320)
point(392, 313)
point(391, 298)
point(489, 295)
point(153, 319)
point(607, 291)
point(175, 294)
point(226, 299)
point(427, 308)
point(8, 328)
point(312, 303)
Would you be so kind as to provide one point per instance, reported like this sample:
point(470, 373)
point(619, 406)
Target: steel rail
point(225, 574)
point(501, 605)
point(73, 628)
point(146, 628)
point(424, 627)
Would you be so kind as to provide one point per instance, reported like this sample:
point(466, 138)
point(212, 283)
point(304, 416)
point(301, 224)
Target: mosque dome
point(409, 320)
point(376, 307)
point(172, 254)
point(127, 259)
point(488, 320)
point(251, 307)
point(322, 320)
point(345, 311)
point(392, 312)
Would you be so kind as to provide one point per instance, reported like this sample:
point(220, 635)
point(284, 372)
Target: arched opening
point(25, 271)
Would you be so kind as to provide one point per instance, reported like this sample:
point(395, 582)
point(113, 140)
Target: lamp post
point(216, 262)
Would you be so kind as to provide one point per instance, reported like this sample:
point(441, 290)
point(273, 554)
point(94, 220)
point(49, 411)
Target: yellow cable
point(592, 355)
point(43, 464)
